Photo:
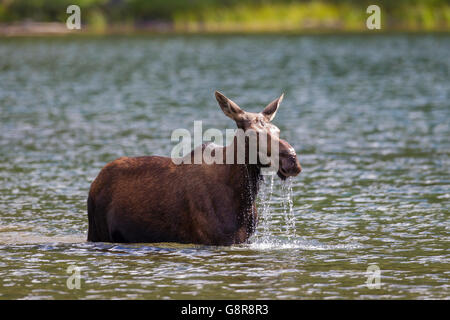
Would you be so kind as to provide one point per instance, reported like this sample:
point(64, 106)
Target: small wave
point(13, 236)
point(281, 244)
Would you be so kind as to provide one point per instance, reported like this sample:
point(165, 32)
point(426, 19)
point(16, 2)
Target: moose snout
point(290, 166)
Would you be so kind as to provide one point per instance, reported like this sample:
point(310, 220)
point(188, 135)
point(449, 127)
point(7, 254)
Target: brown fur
point(150, 199)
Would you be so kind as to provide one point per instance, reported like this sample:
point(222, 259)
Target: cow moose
point(150, 199)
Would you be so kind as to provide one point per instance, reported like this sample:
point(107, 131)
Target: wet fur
point(150, 199)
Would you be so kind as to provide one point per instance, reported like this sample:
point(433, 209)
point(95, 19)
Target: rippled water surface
point(368, 116)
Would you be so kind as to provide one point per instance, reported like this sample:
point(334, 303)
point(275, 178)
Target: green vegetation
point(233, 15)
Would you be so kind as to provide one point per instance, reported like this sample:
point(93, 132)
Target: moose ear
point(271, 109)
point(228, 107)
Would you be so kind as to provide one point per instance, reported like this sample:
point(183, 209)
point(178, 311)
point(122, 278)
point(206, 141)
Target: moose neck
point(251, 172)
point(246, 178)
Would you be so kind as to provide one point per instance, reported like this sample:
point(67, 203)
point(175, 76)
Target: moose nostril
point(298, 166)
point(295, 168)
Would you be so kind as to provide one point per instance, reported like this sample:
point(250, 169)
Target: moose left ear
point(230, 108)
point(271, 109)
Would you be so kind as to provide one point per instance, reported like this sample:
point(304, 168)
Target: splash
point(271, 227)
point(288, 209)
point(265, 224)
point(277, 227)
point(313, 245)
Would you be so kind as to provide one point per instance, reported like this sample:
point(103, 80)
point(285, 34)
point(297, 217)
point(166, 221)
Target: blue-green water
point(368, 116)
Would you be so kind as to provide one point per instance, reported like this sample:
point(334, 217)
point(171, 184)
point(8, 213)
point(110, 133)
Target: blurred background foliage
point(232, 15)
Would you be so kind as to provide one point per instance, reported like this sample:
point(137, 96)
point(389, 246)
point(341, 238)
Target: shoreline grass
point(234, 17)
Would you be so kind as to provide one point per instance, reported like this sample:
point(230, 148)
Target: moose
point(150, 199)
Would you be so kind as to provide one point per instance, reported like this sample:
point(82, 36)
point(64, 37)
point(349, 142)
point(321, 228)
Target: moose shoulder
point(152, 199)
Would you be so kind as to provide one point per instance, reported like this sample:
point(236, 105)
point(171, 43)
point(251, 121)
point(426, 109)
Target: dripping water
point(288, 209)
point(276, 217)
point(264, 199)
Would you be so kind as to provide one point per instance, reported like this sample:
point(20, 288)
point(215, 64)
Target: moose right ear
point(228, 107)
point(271, 109)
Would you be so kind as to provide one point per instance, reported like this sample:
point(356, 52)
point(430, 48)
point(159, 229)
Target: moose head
point(260, 126)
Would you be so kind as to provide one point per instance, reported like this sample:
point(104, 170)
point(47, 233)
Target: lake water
point(369, 117)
